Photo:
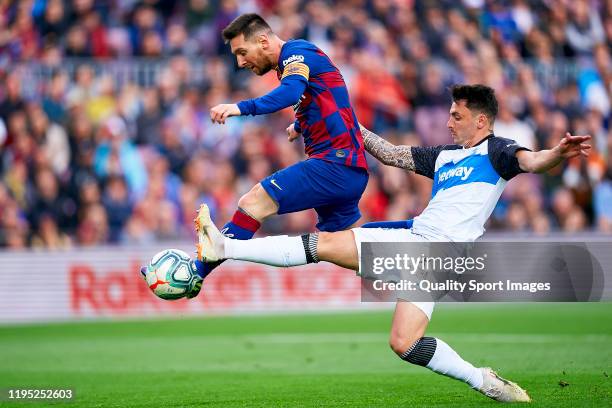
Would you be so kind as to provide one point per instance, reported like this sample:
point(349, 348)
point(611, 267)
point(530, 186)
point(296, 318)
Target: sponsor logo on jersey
point(463, 172)
point(293, 58)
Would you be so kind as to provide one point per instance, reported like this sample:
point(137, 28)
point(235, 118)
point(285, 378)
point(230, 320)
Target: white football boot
point(210, 240)
point(500, 389)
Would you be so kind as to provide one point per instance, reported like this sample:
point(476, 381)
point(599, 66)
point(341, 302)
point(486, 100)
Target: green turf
point(312, 360)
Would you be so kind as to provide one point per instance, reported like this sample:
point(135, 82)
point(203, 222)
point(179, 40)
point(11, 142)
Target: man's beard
point(264, 70)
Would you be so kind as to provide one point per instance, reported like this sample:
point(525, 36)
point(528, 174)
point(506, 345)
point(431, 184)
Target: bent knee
point(258, 203)
point(247, 201)
point(250, 198)
point(400, 344)
point(420, 352)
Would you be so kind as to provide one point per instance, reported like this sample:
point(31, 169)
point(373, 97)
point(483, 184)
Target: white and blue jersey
point(466, 186)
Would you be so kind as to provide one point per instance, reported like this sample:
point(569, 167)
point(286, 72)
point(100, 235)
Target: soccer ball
point(172, 274)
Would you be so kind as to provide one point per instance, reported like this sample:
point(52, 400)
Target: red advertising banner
point(105, 282)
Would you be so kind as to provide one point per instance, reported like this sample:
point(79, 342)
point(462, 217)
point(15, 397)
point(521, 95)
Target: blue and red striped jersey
point(324, 113)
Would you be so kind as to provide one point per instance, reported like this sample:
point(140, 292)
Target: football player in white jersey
point(469, 177)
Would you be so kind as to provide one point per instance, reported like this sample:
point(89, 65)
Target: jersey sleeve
point(425, 159)
point(288, 93)
point(502, 153)
point(294, 73)
point(296, 62)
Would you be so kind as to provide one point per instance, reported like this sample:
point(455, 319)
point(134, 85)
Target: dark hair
point(480, 98)
point(247, 24)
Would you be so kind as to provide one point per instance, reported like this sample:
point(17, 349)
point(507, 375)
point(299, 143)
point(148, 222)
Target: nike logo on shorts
point(273, 182)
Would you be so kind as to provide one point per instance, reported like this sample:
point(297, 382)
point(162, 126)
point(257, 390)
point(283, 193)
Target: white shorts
point(391, 235)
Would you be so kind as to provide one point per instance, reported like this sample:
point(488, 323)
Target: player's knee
point(419, 352)
point(400, 344)
point(247, 201)
point(402, 340)
point(257, 203)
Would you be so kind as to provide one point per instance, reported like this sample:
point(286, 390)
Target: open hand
point(572, 146)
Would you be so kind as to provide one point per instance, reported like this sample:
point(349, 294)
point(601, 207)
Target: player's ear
point(482, 121)
point(263, 40)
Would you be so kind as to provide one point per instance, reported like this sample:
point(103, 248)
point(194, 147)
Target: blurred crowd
point(86, 160)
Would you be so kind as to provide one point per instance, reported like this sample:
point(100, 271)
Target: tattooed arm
point(387, 153)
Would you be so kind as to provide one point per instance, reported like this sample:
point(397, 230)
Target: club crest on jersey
point(463, 172)
point(293, 58)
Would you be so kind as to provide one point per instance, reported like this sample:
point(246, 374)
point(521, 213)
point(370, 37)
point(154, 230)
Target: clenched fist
point(292, 134)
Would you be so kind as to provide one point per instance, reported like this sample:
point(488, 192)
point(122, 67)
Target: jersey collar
point(482, 140)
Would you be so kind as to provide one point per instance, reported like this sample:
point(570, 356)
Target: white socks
point(447, 362)
point(439, 357)
point(281, 250)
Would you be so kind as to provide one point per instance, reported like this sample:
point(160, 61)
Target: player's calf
point(338, 248)
point(410, 321)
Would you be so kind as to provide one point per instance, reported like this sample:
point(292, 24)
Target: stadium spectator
point(116, 155)
point(584, 29)
point(508, 126)
point(379, 99)
point(431, 102)
point(49, 236)
point(13, 100)
point(48, 200)
point(51, 139)
point(53, 101)
point(93, 225)
point(118, 205)
point(603, 202)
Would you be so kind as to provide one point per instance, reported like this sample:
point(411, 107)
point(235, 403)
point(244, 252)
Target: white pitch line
point(301, 338)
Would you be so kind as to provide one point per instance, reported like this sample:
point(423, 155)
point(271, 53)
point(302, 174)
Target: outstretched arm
point(288, 93)
point(387, 153)
point(544, 160)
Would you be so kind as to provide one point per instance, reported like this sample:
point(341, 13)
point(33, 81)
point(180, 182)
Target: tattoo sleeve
point(387, 153)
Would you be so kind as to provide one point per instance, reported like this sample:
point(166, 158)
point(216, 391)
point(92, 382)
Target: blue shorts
point(331, 189)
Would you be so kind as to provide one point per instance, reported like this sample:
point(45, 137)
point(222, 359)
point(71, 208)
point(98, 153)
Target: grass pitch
point(561, 353)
